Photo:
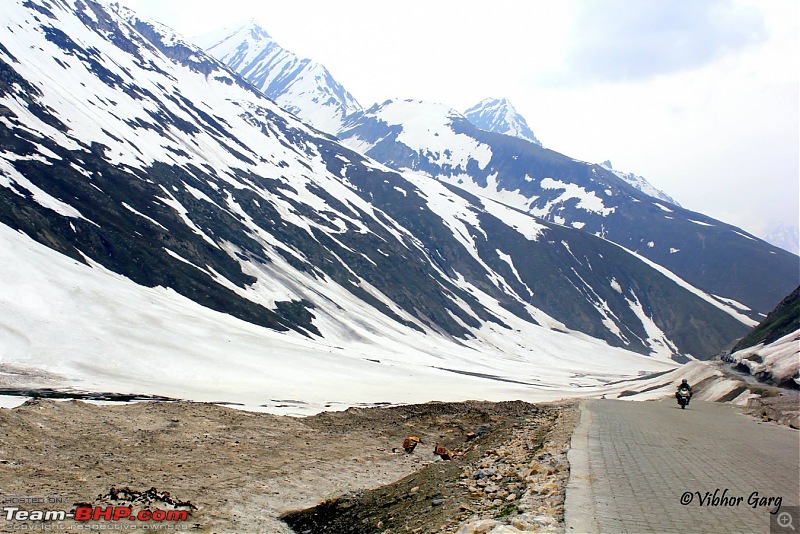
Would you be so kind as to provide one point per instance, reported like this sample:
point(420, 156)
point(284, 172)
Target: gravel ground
point(237, 471)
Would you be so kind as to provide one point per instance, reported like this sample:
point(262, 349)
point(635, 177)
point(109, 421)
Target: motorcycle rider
point(684, 385)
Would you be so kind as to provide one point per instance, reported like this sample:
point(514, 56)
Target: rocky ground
point(237, 471)
point(782, 407)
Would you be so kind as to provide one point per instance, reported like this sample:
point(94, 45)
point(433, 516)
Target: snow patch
point(587, 200)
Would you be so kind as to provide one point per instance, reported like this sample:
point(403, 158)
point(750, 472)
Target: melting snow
point(781, 358)
point(663, 207)
point(587, 200)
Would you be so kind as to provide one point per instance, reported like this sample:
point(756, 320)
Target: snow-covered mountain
point(499, 116)
point(435, 140)
point(299, 85)
point(696, 247)
point(641, 183)
point(166, 227)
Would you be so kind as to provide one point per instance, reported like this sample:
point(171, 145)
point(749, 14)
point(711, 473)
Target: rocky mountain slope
point(783, 320)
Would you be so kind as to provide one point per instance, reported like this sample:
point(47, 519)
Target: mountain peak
point(256, 31)
point(249, 31)
point(298, 85)
point(784, 236)
point(498, 115)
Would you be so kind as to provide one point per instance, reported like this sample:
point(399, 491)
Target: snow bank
point(777, 362)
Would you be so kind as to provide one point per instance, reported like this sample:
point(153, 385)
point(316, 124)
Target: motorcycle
point(683, 397)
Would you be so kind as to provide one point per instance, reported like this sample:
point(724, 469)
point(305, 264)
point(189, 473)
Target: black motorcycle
point(684, 396)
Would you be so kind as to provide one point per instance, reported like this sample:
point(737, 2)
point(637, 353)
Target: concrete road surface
point(652, 467)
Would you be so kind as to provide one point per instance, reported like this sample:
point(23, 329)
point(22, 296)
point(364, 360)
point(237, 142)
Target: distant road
point(652, 467)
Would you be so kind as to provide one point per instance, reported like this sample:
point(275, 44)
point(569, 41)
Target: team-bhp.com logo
point(94, 513)
point(118, 513)
point(119, 509)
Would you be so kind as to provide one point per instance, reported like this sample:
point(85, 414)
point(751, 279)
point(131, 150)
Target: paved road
point(633, 462)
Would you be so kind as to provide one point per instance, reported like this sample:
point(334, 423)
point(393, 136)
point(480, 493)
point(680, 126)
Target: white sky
point(699, 96)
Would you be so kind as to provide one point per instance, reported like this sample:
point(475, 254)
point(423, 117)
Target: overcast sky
point(699, 96)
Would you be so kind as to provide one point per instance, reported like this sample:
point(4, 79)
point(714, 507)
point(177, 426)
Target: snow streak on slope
point(732, 308)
